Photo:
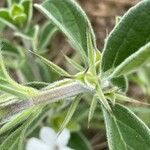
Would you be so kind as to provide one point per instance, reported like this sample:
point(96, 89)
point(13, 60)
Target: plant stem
point(49, 96)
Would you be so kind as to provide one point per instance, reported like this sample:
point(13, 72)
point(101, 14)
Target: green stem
point(49, 96)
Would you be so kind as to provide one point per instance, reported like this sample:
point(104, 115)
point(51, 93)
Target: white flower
point(49, 140)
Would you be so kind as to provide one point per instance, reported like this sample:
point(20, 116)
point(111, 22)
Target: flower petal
point(36, 144)
point(48, 136)
point(65, 148)
point(63, 138)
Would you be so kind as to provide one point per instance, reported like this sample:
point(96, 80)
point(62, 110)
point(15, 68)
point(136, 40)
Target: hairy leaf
point(56, 68)
point(7, 84)
point(70, 19)
point(74, 64)
point(16, 138)
point(47, 32)
point(70, 112)
point(133, 62)
point(128, 36)
point(92, 109)
point(12, 55)
point(125, 131)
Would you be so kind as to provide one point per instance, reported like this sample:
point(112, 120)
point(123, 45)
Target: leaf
point(17, 13)
point(16, 138)
point(11, 139)
point(134, 61)
point(16, 121)
point(27, 71)
point(11, 2)
point(35, 37)
point(13, 57)
point(55, 68)
point(28, 9)
point(37, 85)
point(6, 99)
point(7, 84)
point(47, 74)
point(144, 74)
point(91, 51)
point(79, 142)
point(28, 34)
point(101, 98)
point(6, 18)
point(121, 82)
point(125, 131)
point(2, 27)
point(47, 32)
point(68, 16)
point(128, 36)
point(74, 64)
point(70, 112)
point(92, 109)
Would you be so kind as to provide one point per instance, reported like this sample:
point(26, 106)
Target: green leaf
point(2, 27)
point(18, 119)
point(16, 137)
point(121, 82)
point(13, 57)
point(79, 142)
point(7, 84)
point(6, 18)
point(47, 74)
point(54, 67)
point(70, 19)
point(17, 13)
point(70, 112)
point(92, 109)
point(128, 36)
point(28, 9)
point(144, 74)
point(125, 131)
point(47, 32)
point(27, 71)
point(74, 64)
point(11, 2)
point(134, 61)
point(7, 99)
point(11, 139)
point(37, 85)
point(91, 51)
point(101, 98)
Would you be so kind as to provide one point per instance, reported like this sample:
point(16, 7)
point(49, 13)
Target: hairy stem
point(48, 96)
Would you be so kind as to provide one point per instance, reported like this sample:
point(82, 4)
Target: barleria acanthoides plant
point(102, 75)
